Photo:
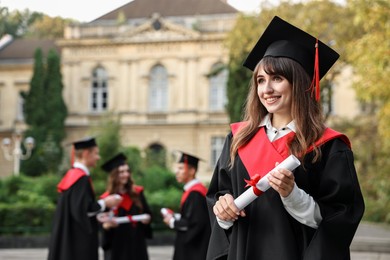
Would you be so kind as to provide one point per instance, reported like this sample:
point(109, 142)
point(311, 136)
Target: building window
point(99, 90)
point(216, 149)
point(218, 81)
point(158, 89)
point(20, 109)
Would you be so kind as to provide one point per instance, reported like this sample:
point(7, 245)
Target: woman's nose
point(268, 88)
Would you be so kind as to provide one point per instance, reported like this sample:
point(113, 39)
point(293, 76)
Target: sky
point(81, 9)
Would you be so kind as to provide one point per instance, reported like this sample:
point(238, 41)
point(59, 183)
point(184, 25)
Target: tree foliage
point(54, 103)
point(370, 57)
point(35, 116)
point(107, 133)
point(23, 24)
point(45, 113)
point(47, 27)
point(369, 54)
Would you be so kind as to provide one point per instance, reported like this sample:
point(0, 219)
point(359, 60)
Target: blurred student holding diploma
point(192, 226)
point(126, 240)
point(311, 213)
point(75, 228)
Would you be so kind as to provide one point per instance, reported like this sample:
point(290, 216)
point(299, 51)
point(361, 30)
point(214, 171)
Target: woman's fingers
point(282, 181)
point(225, 209)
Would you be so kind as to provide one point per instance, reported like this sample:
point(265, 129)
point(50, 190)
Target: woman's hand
point(225, 209)
point(110, 224)
point(146, 221)
point(167, 219)
point(282, 181)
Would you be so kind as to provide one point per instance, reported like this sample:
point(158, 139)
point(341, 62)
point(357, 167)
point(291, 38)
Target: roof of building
point(145, 8)
point(25, 48)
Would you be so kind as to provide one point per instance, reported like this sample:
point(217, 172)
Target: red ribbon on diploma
point(133, 223)
point(252, 182)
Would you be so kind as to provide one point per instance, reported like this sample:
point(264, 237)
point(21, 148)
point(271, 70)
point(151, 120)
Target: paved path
point(155, 253)
point(371, 242)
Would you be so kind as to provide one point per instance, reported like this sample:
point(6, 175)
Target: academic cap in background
point(189, 159)
point(84, 143)
point(117, 160)
point(282, 39)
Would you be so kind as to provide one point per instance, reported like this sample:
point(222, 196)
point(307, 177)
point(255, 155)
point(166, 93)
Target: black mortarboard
point(281, 39)
point(189, 159)
point(117, 160)
point(84, 143)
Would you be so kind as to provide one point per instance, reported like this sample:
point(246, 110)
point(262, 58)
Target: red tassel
point(315, 84)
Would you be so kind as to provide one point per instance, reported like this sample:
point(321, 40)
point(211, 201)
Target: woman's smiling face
point(124, 174)
point(274, 92)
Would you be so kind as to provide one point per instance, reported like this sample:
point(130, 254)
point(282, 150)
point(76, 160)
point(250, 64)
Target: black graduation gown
point(75, 235)
point(193, 229)
point(128, 240)
point(269, 232)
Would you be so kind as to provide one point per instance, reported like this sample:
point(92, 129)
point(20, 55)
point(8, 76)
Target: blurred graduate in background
point(192, 225)
point(126, 228)
point(75, 228)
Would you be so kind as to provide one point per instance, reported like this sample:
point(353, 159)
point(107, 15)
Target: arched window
point(156, 155)
point(217, 82)
point(99, 93)
point(158, 89)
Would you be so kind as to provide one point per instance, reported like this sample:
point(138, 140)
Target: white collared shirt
point(81, 166)
point(274, 133)
point(190, 184)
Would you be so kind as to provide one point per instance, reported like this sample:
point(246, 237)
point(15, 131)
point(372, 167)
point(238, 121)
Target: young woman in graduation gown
point(311, 213)
point(126, 240)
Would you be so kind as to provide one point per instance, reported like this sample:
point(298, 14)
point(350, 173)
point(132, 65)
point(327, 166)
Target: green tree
point(45, 113)
point(16, 23)
point(369, 56)
point(35, 116)
point(23, 24)
point(47, 27)
point(55, 121)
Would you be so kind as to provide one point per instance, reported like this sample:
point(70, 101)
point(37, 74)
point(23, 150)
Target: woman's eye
point(278, 78)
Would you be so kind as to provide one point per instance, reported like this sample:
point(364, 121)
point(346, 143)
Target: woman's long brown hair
point(113, 186)
point(305, 110)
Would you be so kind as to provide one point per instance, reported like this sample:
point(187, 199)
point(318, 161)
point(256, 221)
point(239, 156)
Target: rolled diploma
point(134, 218)
point(290, 163)
point(167, 211)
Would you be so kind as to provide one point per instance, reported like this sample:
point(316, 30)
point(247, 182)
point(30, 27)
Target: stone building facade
point(159, 65)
